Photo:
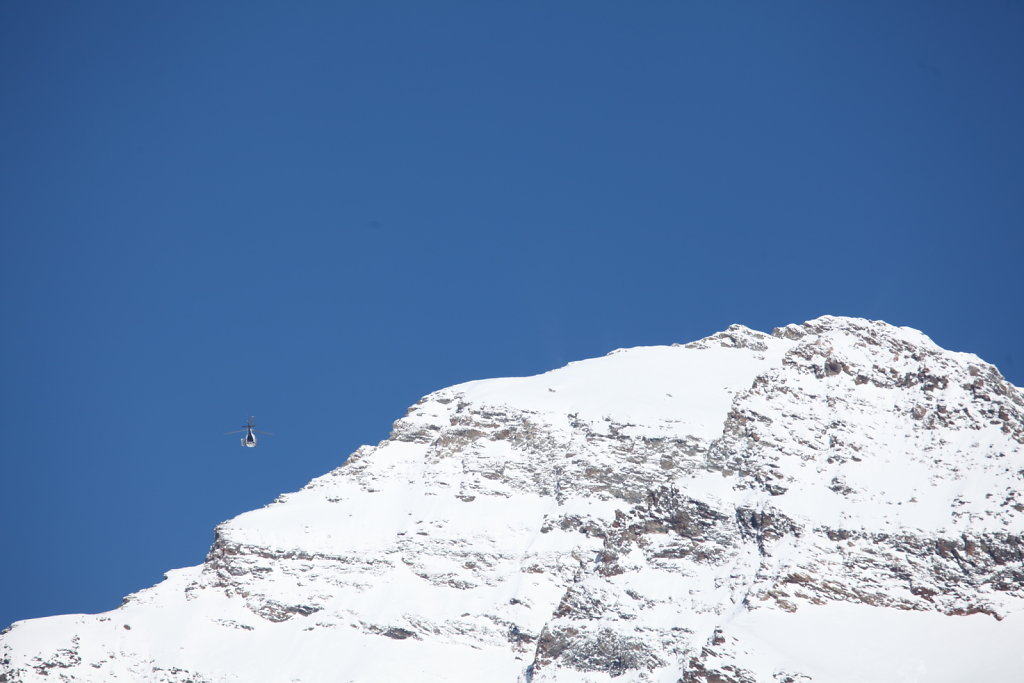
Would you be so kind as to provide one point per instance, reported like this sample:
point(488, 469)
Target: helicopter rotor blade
point(260, 431)
point(237, 431)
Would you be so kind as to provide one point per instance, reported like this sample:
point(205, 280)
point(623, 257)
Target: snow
point(847, 643)
point(685, 391)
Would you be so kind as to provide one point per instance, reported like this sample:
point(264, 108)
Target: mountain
point(838, 501)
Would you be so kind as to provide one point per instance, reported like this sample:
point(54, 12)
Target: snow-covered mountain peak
point(698, 512)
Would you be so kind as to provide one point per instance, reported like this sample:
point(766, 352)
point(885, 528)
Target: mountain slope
point(838, 501)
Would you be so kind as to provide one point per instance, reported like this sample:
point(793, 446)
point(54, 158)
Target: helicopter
point(249, 440)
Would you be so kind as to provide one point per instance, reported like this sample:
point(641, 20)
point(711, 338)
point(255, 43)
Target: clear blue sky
point(315, 213)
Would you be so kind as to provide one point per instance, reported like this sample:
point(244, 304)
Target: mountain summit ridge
point(737, 509)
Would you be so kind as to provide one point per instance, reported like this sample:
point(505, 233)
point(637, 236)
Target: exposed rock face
point(659, 514)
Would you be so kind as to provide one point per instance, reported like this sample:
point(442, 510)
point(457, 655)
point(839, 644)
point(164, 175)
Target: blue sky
point(315, 214)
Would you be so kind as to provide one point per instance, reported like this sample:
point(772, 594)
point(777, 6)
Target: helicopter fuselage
point(249, 440)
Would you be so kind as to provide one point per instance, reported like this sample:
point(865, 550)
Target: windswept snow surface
point(848, 643)
point(657, 389)
point(837, 502)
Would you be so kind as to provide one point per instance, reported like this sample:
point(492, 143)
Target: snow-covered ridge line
point(660, 513)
